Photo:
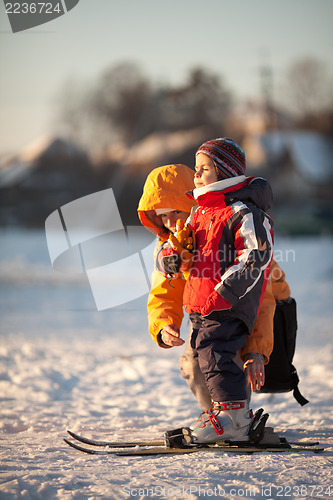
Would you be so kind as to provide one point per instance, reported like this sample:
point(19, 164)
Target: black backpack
point(280, 373)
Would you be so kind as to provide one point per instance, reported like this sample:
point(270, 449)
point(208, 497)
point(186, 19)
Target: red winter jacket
point(234, 247)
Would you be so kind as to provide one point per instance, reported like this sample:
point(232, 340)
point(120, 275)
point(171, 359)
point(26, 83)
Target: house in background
point(299, 166)
point(43, 176)
point(52, 172)
point(297, 163)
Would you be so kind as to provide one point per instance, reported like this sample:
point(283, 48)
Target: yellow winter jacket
point(165, 187)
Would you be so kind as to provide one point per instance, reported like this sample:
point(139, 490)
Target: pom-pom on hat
point(227, 155)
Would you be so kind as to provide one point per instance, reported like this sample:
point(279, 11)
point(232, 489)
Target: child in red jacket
point(234, 245)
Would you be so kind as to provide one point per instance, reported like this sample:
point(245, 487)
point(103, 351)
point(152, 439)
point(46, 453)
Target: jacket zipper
point(208, 243)
point(211, 222)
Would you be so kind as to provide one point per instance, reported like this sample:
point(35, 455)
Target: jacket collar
point(219, 186)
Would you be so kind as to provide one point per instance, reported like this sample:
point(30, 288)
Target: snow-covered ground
point(65, 365)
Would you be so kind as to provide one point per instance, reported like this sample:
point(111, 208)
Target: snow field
point(64, 365)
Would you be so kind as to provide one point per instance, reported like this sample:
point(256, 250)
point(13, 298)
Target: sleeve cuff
point(160, 341)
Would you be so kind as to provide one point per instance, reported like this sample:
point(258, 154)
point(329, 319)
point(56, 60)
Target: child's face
point(205, 172)
point(169, 219)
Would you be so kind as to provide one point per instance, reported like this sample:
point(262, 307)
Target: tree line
point(122, 104)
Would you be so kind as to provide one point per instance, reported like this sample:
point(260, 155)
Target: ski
point(117, 444)
point(153, 442)
point(305, 443)
point(225, 448)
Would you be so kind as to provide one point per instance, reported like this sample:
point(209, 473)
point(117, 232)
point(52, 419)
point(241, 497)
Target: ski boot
point(226, 421)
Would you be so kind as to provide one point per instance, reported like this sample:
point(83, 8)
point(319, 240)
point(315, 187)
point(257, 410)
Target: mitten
point(168, 260)
point(184, 241)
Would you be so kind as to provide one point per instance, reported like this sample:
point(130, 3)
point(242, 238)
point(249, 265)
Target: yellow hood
point(165, 187)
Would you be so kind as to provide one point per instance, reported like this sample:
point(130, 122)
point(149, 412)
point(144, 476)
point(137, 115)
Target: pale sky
point(166, 38)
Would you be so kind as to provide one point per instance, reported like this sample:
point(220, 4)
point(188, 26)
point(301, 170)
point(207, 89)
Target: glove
point(215, 302)
point(183, 242)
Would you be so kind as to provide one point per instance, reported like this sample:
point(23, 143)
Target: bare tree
point(309, 86)
point(123, 104)
point(202, 100)
point(71, 112)
point(117, 105)
point(121, 98)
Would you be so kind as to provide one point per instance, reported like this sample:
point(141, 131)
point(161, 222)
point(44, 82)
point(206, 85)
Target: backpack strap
point(299, 397)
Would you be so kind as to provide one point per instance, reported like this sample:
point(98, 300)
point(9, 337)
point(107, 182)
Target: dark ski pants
point(216, 341)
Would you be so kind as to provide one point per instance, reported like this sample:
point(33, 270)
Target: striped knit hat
point(227, 155)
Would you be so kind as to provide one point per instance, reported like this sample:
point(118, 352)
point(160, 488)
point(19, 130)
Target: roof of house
point(311, 152)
